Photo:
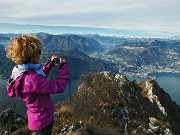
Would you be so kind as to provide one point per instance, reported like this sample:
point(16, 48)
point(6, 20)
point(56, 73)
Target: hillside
point(140, 58)
point(68, 42)
point(78, 63)
point(109, 104)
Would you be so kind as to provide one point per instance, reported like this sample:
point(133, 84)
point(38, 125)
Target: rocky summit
point(106, 103)
point(109, 104)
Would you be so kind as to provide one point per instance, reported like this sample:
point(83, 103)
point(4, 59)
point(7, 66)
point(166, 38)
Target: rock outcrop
point(107, 103)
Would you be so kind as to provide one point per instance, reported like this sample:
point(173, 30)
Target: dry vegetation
point(89, 104)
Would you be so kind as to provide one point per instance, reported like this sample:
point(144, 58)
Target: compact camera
point(56, 61)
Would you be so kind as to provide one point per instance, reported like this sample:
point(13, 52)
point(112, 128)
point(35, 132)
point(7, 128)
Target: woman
point(30, 82)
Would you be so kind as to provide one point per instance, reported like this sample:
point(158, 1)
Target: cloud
point(142, 15)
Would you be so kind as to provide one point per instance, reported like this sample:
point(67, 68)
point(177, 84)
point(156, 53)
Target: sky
point(153, 17)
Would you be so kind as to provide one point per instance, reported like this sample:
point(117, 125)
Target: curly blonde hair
point(21, 49)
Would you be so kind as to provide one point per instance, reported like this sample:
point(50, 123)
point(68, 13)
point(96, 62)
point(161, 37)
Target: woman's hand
point(62, 60)
point(54, 57)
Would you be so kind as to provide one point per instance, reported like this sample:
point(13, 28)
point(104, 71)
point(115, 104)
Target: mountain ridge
point(59, 42)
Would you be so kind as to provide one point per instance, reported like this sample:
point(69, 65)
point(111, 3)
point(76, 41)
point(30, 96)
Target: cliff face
point(163, 101)
point(109, 104)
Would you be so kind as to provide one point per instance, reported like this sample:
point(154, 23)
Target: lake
point(19, 104)
point(170, 82)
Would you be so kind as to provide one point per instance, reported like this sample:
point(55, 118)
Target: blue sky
point(134, 17)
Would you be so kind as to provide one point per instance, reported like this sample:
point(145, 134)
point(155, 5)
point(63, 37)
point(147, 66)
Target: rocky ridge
point(107, 103)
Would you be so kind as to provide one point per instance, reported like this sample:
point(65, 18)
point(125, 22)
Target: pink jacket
point(35, 90)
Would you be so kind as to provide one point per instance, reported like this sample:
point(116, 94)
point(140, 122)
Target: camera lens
point(56, 61)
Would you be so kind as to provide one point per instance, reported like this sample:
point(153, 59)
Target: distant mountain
point(119, 40)
point(5, 38)
point(60, 42)
point(160, 43)
point(67, 42)
point(157, 54)
point(107, 39)
point(175, 38)
point(140, 56)
point(176, 46)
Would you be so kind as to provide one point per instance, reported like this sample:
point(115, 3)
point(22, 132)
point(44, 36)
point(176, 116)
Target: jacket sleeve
point(47, 67)
point(38, 84)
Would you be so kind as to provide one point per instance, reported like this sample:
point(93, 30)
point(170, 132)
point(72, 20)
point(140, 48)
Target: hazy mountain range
point(118, 54)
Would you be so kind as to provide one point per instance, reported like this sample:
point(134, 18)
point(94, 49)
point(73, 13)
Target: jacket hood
point(15, 81)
